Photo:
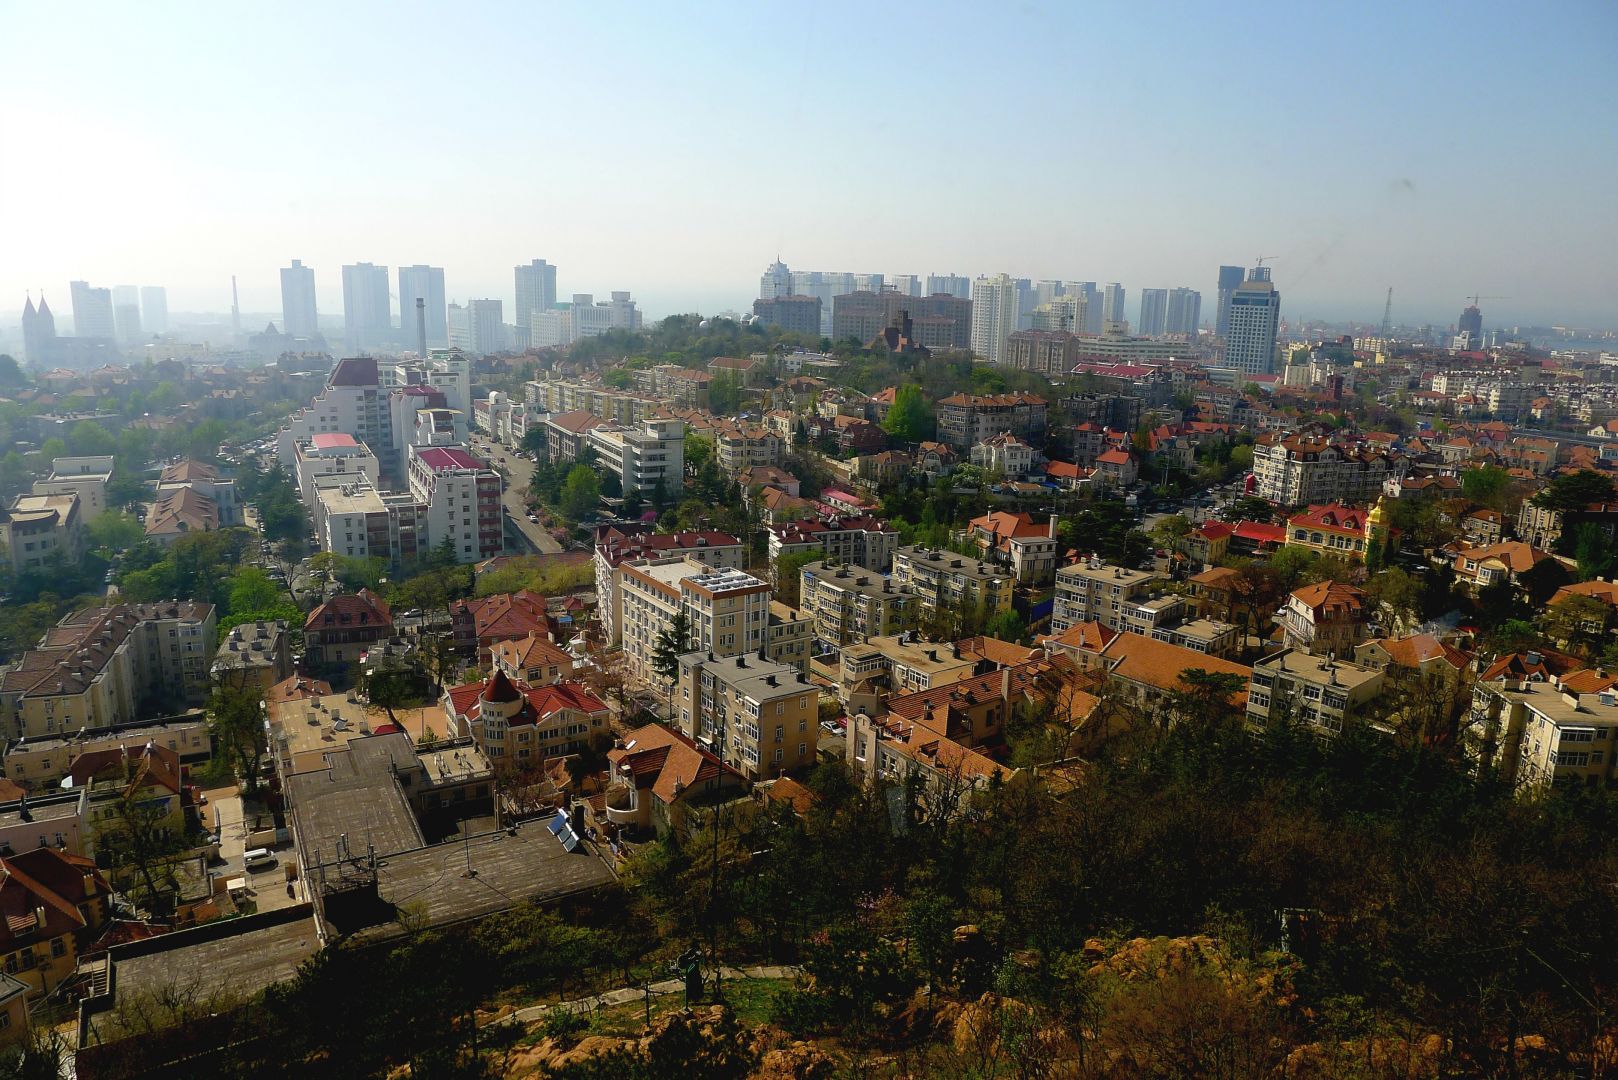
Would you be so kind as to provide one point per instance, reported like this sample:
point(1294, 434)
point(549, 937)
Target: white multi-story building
point(994, 315)
point(857, 541)
point(585, 317)
point(477, 326)
point(644, 455)
point(332, 454)
point(353, 403)
point(614, 547)
point(298, 314)
point(424, 283)
point(1094, 591)
point(727, 610)
point(1154, 312)
point(367, 310)
point(154, 309)
point(1255, 316)
point(92, 312)
point(462, 499)
point(87, 477)
point(1184, 314)
point(1299, 470)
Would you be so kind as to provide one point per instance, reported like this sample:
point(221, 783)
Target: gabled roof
point(1605, 591)
point(668, 763)
point(531, 650)
point(187, 470)
point(183, 510)
point(1159, 664)
point(1515, 555)
point(1332, 517)
point(141, 766)
point(354, 371)
point(364, 608)
point(1332, 599)
point(448, 458)
point(578, 421)
point(1418, 649)
point(1522, 665)
point(1089, 636)
point(504, 616)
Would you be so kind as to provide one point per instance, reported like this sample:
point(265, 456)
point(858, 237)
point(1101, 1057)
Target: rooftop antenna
point(235, 309)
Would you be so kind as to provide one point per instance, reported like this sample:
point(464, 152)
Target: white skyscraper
point(994, 315)
point(906, 284)
point(367, 312)
point(536, 291)
point(1092, 305)
point(126, 314)
point(1112, 304)
point(776, 281)
point(1255, 314)
point(1185, 312)
point(154, 309)
point(92, 312)
point(1154, 312)
point(298, 301)
point(425, 283)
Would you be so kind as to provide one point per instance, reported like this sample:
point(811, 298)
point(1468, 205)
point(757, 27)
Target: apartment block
point(254, 654)
point(86, 477)
point(1296, 470)
point(105, 666)
point(964, 420)
point(945, 581)
point(461, 495)
point(510, 718)
point(1315, 691)
point(41, 532)
point(644, 457)
point(860, 541)
point(760, 717)
point(1538, 727)
point(616, 545)
point(39, 762)
point(849, 603)
point(727, 610)
point(1094, 591)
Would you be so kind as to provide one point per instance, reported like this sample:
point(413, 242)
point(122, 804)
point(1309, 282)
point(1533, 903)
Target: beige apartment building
point(1094, 591)
point(253, 654)
point(760, 717)
point(1548, 728)
point(727, 610)
point(106, 666)
point(1313, 690)
point(43, 531)
point(945, 581)
point(869, 672)
point(39, 763)
point(848, 603)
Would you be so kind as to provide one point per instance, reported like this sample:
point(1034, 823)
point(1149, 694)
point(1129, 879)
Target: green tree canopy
point(114, 530)
point(89, 437)
point(909, 420)
point(581, 493)
point(1575, 491)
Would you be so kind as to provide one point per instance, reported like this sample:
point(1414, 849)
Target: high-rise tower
point(154, 309)
point(1154, 312)
point(298, 301)
point(994, 315)
point(536, 291)
point(92, 312)
point(1255, 315)
point(1229, 278)
point(367, 313)
point(1185, 313)
point(424, 283)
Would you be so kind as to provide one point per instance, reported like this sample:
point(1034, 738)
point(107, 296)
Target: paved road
point(519, 470)
point(625, 994)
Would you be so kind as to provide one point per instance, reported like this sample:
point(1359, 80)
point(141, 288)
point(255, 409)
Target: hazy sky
point(676, 149)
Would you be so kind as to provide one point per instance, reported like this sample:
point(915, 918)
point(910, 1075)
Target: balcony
point(621, 807)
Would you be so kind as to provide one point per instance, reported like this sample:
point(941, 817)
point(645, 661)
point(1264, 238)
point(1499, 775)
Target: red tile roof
point(445, 458)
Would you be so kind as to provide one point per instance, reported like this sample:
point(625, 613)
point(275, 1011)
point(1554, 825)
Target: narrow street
point(519, 470)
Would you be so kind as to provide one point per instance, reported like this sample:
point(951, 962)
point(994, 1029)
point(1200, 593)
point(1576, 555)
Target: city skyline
point(1348, 186)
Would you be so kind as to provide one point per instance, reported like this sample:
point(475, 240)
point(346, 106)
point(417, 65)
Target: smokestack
point(235, 309)
point(421, 326)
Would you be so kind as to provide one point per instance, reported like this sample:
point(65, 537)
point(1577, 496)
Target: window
point(58, 947)
point(780, 754)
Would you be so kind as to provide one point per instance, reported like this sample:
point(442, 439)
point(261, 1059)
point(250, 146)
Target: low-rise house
point(509, 718)
point(54, 903)
point(1018, 541)
point(145, 776)
point(340, 630)
point(1602, 591)
point(533, 659)
point(760, 476)
point(1148, 672)
point(1420, 654)
point(1327, 618)
point(1207, 543)
point(1483, 527)
point(659, 776)
point(1478, 568)
point(1117, 467)
point(480, 623)
point(1345, 531)
point(936, 459)
point(849, 434)
point(1315, 691)
point(1005, 454)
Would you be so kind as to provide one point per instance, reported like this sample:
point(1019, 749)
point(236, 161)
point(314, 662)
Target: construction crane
point(1475, 298)
point(1261, 259)
point(1387, 317)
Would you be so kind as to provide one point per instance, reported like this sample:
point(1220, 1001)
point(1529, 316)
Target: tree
point(11, 373)
point(698, 452)
point(1575, 491)
point(1397, 592)
point(89, 437)
point(252, 590)
point(1205, 696)
point(581, 494)
point(1576, 621)
point(237, 722)
point(535, 441)
point(1007, 626)
point(673, 642)
point(725, 394)
point(1486, 485)
point(1594, 552)
point(789, 575)
point(115, 531)
point(908, 420)
point(1247, 508)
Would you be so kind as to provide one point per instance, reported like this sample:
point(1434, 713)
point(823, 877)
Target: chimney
point(1005, 684)
point(421, 325)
